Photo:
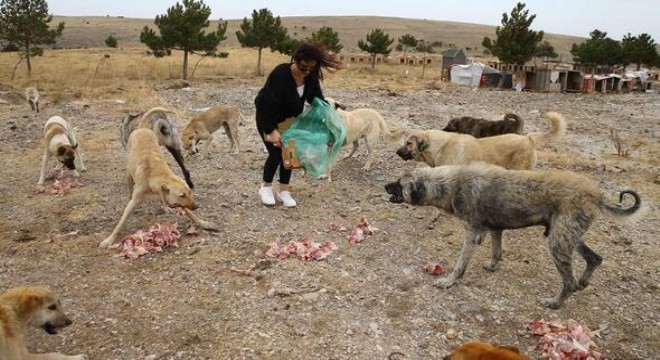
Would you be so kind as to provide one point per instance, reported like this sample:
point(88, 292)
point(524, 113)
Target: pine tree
point(327, 37)
point(515, 43)
point(599, 51)
point(407, 41)
point(263, 31)
point(182, 28)
point(378, 42)
point(640, 50)
point(546, 51)
point(24, 23)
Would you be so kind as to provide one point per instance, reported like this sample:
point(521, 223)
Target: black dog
point(479, 128)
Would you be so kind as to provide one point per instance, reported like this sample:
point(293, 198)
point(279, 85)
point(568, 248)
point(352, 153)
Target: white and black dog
point(60, 141)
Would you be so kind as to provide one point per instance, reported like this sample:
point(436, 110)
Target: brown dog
point(512, 151)
point(202, 127)
point(510, 124)
point(485, 351)
point(60, 141)
point(489, 198)
point(22, 307)
point(149, 175)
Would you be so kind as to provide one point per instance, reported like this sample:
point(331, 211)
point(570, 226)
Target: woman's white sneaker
point(286, 199)
point(267, 197)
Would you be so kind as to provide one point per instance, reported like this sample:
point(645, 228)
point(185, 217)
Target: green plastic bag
point(319, 135)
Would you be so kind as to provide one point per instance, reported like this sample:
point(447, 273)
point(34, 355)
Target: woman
point(283, 96)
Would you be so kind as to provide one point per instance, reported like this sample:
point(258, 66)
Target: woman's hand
point(274, 138)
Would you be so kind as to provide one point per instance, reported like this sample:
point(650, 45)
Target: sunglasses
point(305, 66)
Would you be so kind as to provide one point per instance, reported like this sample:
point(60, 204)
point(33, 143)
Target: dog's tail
point(517, 120)
point(127, 126)
point(145, 120)
point(384, 128)
point(168, 138)
point(621, 212)
point(557, 125)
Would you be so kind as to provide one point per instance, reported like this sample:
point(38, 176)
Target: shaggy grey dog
point(32, 96)
point(479, 128)
point(158, 120)
point(489, 198)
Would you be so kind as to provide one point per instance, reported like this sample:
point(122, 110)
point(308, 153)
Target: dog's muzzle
point(396, 190)
point(70, 164)
point(52, 329)
point(404, 154)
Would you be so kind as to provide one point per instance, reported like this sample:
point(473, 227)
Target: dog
point(512, 151)
point(365, 124)
point(489, 198)
point(202, 127)
point(22, 307)
point(158, 120)
point(484, 351)
point(479, 128)
point(32, 96)
point(149, 175)
point(60, 141)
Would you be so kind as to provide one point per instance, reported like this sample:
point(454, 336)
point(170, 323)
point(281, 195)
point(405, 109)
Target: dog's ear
point(29, 303)
point(417, 191)
point(422, 143)
point(165, 189)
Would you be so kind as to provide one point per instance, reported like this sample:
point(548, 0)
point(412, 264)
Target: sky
point(576, 17)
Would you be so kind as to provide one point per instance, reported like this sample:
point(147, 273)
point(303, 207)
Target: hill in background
point(85, 31)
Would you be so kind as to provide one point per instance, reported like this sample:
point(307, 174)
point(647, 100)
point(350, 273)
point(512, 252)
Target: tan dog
point(158, 120)
point(149, 175)
point(365, 124)
point(485, 351)
point(202, 127)
point(23, 307)
point(512, 151)
point(60, 141)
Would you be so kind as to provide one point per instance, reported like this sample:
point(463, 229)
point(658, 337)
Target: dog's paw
point(209, 226)
point(83, 169)
point(581, 285)
point(107, 242)
point(489, 265)
point(444, 282)
point(76, 174)
point(550, 303)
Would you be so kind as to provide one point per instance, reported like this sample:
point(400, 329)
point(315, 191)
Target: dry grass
point(95, 74)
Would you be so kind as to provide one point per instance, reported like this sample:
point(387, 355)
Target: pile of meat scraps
point(304, 248)
point(59, 187)
point(362, 229)
point(142, 242)
point(569, 341)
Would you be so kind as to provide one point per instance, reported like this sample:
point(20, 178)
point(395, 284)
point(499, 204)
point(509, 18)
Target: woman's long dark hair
point(314, 52)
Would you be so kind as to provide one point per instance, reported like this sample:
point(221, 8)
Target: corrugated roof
point(451, 53)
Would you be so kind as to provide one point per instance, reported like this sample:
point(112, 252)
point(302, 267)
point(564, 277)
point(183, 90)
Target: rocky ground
point(365, 301)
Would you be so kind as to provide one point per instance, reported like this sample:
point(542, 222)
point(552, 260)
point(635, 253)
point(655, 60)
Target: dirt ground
point(365, 301)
